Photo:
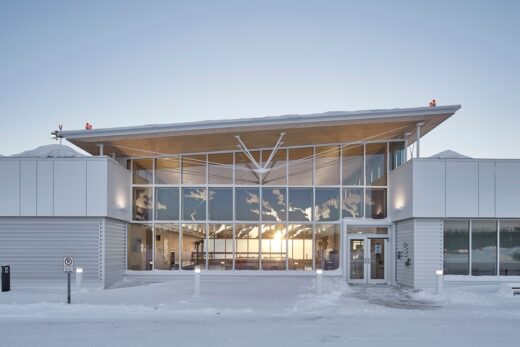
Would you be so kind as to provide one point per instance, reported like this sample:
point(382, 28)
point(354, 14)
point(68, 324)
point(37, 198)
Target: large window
point(375, 203)
point(194, 169)
point(277, 174)
point(194, 204)
point(376, 164)
point(353, 165)
point(510, 248)
point(327, 246)
point(299, 246)
point(245, 173)
point(220, 168)
point(456, 247)
point(167, 171)
point(274, 204)
point(301, 166)
point(193, 246)
point(221, 204)
point(327, 166)
point(166, 203)
point(142, 171)
point(247, 247)
point(166, 247)
point(247, 204)
point(139, 250)
point(397, 154)
point(484, 248)
point(352, 203)
point(142, 203)
point(300, 204)
point(220, 247)
point(327, 204)
point(274, 247)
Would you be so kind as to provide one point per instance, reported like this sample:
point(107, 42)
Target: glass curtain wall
point(217, 212)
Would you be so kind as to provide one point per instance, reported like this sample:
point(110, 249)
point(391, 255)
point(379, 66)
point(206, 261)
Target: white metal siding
point(35, 247)
point(28, 188)
point(9, 188)
point(114, 251)
point(404, 244)
point(45, 188)
point(428, 252)
point(70, 188)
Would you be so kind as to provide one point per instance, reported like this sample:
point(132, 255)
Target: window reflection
point(166, 247)
point(167, 203)
point(142, 203)
point(301, 166)
point(376, 164)
point(139, 250)
point(327, 204)
point(484, 248)
point(221, 204)
point(193, 247)
point(352, 202)
point(244, 169)
point(456, 247)
point(375, 203)
point(397, 154)
point(167, 170)
point(510, 248)
point(193, 204)
point(247, 247)
point(300, 246)
point(220, 247)
point(327, 246)
point(327, 166)
point(274, 202)
point(274, 247)
point(143, 171)
point(220, 168)
point(353, 165)
point(277, 174)
point(194, 169)
point(300, 204)
point(247, 204)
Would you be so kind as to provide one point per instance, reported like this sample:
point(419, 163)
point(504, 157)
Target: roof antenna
point(56, 134)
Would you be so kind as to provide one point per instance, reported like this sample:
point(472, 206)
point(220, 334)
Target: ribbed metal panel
point(428, 250)
point(404, 274)
point(114, 251)
point(35, 247)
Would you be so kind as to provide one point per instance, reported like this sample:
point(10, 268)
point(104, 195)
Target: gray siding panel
point(114, 251)
point(404, 231)
point(428, 250)
point(35, 247)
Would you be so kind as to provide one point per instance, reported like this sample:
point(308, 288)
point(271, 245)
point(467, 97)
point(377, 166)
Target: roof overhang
point(213, 136)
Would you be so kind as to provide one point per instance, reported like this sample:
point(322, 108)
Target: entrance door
point(367, 259)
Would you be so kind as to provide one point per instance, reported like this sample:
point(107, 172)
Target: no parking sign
point(68, 264)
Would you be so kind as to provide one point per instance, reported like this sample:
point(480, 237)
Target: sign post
point(68, 267)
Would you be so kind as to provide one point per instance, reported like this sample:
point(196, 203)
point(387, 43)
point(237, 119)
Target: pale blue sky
point(120, 63)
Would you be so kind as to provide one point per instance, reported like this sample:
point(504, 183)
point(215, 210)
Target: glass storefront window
point(327, 204)
point(247, 204)
point(274, 204)
point(397, 154)
point(300, 204)
point(193, 204)
point(220, 247)
point(142, 203)
point(277, 174)
point(221, 204)
point(166, 247)
point(327, 166)
point(139, 251)
point(483, 248)
point(510, 248)
point(375, 203)
point(352, 202)
point(168, 170)
point(247, 247)
point(142, 171)
point(300, 247)
point(193, 246)
point(274, 247)
point(167, 203)
point(220, 168)
point(353, 165)
point(376, 164)
point(300, 166)
point(327, 246)
point(244, 169)
point(456, 247)
point(194, 169)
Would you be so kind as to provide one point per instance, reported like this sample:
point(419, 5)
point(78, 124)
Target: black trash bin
point(6, 278)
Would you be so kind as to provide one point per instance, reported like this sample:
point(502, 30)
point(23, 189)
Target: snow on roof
point(449, 155)
point(50, 151)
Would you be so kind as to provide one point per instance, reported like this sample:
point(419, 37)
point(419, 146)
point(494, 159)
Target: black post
point(68, 287)
point(6, 278)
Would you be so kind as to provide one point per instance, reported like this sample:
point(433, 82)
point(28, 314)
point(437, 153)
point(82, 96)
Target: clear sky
point(121, 63)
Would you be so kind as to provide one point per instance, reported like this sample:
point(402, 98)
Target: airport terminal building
point(272, 196)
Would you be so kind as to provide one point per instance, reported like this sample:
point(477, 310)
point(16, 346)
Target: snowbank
point(449, 155)
point(50, 151)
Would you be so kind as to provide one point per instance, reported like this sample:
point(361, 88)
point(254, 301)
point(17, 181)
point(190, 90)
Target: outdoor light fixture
point(79, 270)
point(319, 272)
point(197, 269)
point(439, 272)
point(79, 279)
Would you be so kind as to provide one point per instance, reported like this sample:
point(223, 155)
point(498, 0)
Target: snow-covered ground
point(259, 312)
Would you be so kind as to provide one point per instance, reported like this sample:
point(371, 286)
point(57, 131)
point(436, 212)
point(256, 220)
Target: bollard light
point(439, 274)
point(196, 281)
point(319, 281)
point(79, 279)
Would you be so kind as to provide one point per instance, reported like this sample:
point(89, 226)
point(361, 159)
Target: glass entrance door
point(367, 259)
